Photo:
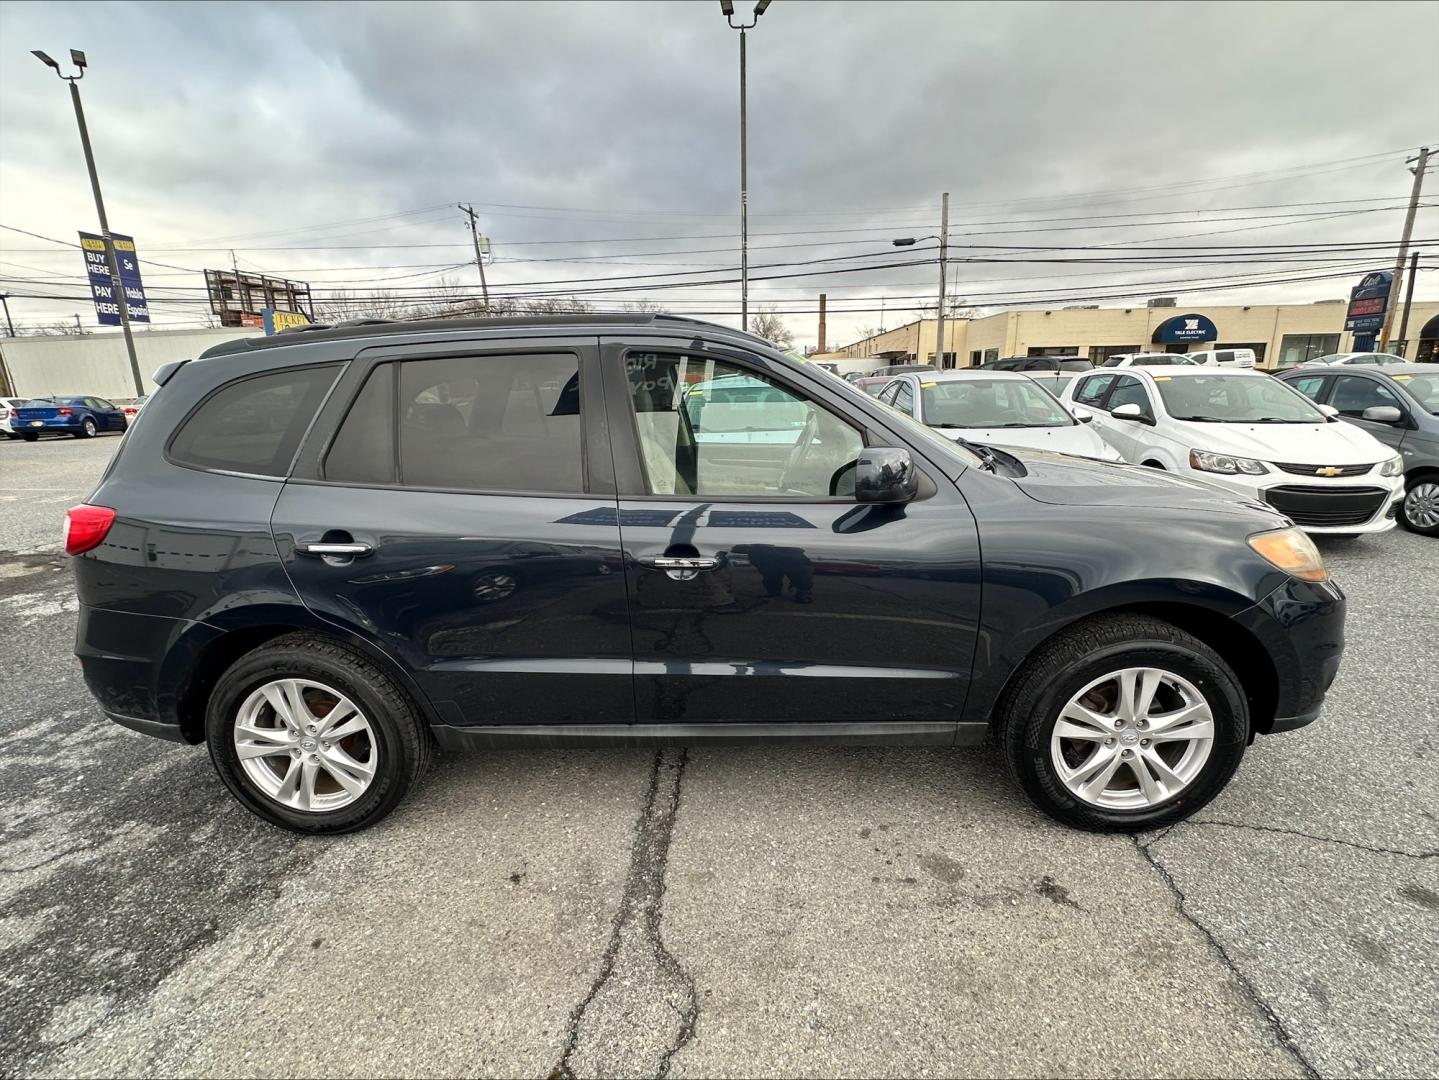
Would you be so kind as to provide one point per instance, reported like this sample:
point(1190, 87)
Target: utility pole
point(121, 302)
point(479, 256)
point(822, 300)
point(1408, 299)
point(1418, 170)
point(943, 268)
point(10, 326)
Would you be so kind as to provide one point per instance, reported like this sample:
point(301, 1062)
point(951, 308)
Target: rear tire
point(395, 744)
point(1072, 675)
point(30, 438)
point(87, 429)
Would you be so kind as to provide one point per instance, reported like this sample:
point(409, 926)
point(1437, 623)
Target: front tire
point(1419, 512)
point(1123, 723)
point(313, 737)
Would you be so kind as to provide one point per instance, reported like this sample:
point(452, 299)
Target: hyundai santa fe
point(325, 552)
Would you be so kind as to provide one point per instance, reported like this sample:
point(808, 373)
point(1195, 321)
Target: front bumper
point(1301, 626)
point(1321, 506)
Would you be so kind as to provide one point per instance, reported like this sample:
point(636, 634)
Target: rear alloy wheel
point(305, 745)
point(314, 737)
point(1420, 509)
point(87, 429)
point(1122, 723)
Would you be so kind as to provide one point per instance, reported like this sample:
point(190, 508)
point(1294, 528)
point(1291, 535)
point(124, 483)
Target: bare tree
point(770, 325)
point(344, 305)
point(59, 329)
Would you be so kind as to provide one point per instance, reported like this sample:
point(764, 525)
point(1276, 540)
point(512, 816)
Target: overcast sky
point(279, 129)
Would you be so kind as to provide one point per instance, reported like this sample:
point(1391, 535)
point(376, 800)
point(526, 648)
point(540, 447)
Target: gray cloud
point(216, 121)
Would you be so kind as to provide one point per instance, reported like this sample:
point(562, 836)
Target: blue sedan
point(83, 417)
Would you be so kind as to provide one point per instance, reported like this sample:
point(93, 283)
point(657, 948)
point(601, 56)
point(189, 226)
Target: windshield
point(1424, 389)
point(990, 403)
point(1235, 399)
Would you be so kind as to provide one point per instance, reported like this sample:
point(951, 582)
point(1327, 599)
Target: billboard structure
point(242, 299)
point(1368, 302)
point(102, 286)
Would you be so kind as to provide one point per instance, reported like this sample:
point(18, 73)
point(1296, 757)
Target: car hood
point(1302, 444)
point(1070, 481)
point(1079, 439)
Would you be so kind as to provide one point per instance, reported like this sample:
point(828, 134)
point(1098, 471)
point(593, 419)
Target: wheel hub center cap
point(1129, 738)
point(307, 745)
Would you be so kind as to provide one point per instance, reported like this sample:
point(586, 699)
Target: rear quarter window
point(253, 425)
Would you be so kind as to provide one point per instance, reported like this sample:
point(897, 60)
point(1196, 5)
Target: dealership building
point(1281, 335)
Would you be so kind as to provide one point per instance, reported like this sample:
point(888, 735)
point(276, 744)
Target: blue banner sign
point(1368, 302)
point(1184, 328)
point(107, 307)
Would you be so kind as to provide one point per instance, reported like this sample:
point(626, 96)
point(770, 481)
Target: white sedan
point(1250, 433)
point(997, 408)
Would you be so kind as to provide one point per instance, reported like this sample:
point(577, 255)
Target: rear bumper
point(122, 656)
point(1301, 626)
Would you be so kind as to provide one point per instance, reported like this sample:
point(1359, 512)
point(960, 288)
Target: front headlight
point(1393, 467)
point(1207, 461)
point(1293, 552)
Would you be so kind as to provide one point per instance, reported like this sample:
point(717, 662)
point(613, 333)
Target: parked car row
point(1338, 453)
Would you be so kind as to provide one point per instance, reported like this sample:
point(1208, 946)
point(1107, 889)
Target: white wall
point(96, 363)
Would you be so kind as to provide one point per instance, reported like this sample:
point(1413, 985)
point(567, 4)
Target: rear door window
point(253, 425)
point(491, 423)
point(1310, 385)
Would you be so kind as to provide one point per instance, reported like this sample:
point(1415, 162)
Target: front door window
point(708, 427)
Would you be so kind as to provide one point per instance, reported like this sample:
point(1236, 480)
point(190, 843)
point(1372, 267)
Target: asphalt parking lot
point(716, 912)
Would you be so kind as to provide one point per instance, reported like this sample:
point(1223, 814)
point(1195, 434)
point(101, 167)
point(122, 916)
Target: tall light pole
point(727, 8)
point(78, 59)
point(943, 237)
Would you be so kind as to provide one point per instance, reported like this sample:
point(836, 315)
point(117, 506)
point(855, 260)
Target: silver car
point(1399, 405)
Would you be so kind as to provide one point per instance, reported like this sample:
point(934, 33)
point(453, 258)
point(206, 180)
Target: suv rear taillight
point(86, 526)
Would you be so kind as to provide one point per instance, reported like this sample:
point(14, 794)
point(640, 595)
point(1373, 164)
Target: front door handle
point(337, 551)
point(681, 567)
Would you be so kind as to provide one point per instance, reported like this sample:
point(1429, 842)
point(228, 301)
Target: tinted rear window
point(254, 425)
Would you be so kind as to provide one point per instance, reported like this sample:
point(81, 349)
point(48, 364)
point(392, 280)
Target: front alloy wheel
point(1420, 508)
point(1132, 739)
point(1123, 722)
point(305, 745)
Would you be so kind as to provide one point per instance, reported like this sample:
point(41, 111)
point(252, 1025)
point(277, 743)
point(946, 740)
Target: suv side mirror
point(1132, 412)
point(1382, 414)
point(885, 474)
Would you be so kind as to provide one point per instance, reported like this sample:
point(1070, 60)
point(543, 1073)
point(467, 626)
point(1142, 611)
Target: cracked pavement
point(716, 912)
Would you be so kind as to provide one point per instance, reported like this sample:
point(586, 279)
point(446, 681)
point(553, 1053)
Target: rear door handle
point(337, 551)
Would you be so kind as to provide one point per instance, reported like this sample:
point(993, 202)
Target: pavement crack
point(642, 1008)
point(1276, 1025)
point(1308, 836)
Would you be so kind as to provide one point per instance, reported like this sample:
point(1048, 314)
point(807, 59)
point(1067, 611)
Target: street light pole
point(122, 304)
point(727, 9)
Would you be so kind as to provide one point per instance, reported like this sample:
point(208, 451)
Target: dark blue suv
point(325, 552)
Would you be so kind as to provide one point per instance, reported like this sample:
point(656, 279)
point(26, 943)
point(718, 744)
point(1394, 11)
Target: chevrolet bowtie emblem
point(1328, 470)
